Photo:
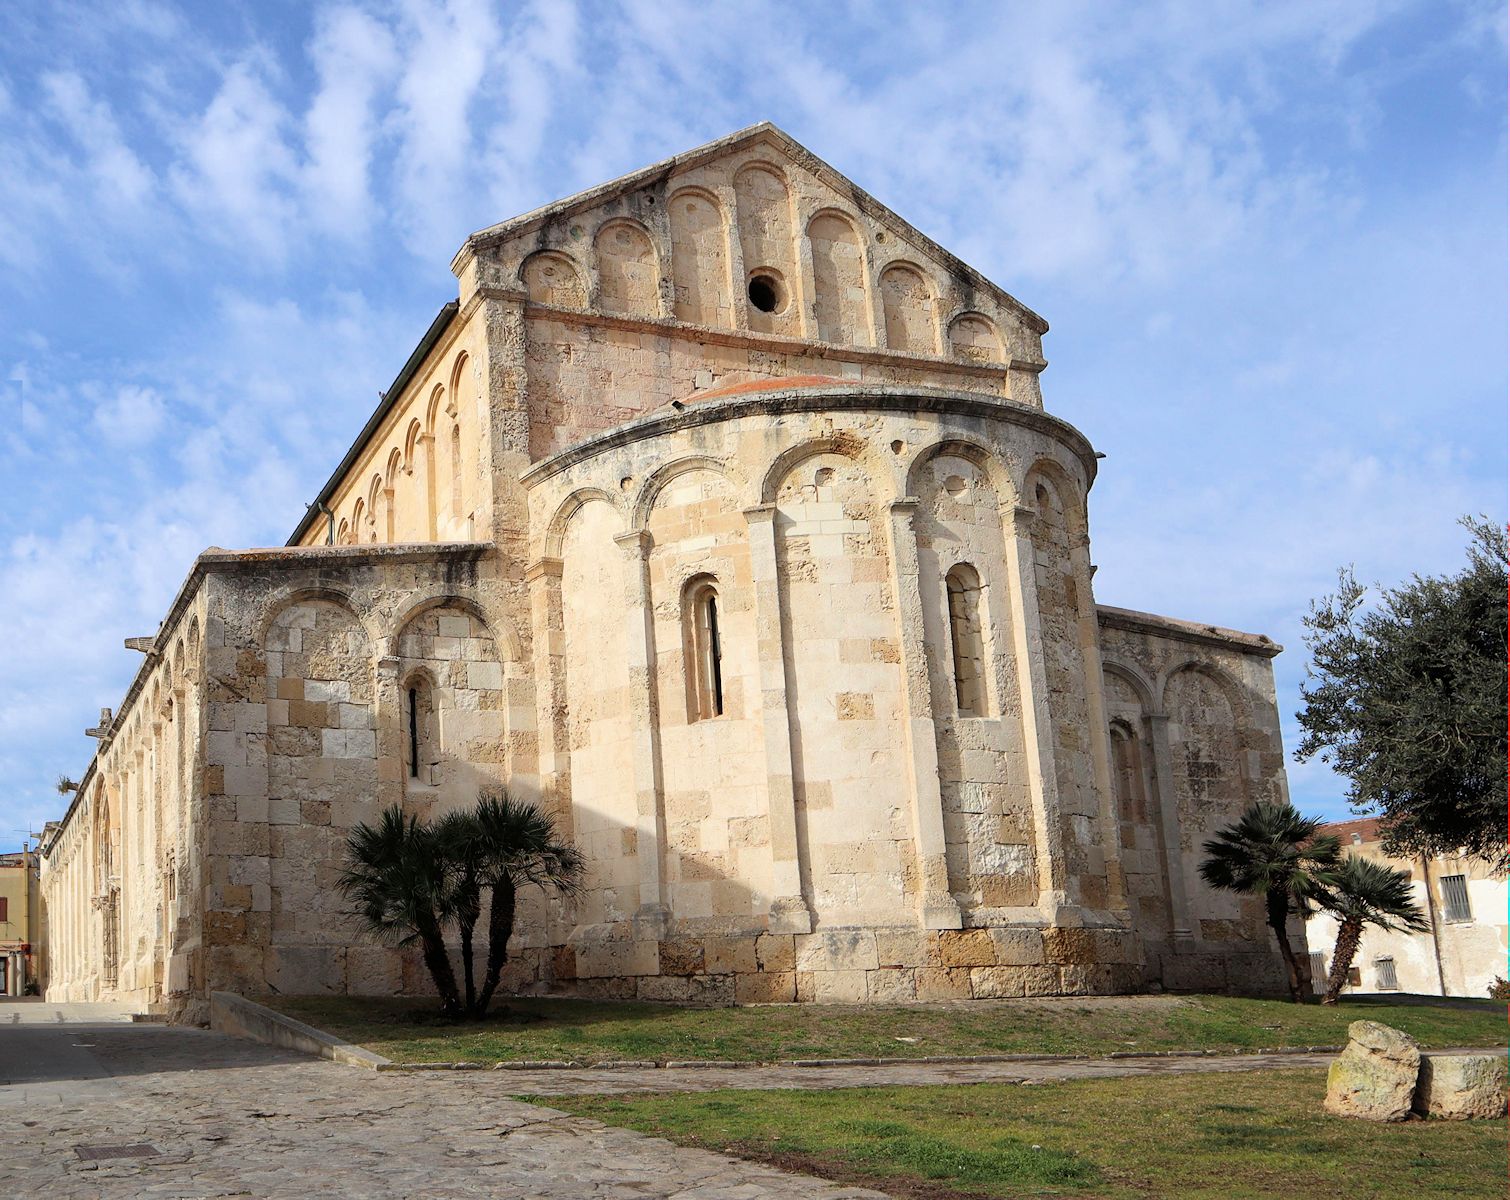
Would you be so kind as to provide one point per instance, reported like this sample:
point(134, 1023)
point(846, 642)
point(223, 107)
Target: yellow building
point(1462, 953)
point(20, 913)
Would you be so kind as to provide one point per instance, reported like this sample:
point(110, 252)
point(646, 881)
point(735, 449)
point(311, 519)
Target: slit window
point(967, 641)
point(707, 674)
point(419, 732)
point(1455, 898)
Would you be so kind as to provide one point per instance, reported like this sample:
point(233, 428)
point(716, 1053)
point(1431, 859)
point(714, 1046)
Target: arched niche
point(552, 278)
point(627, 272)
point(840, 310)
point(974, 338)
point(764, 207)
point(699, 259)
point(907, 306)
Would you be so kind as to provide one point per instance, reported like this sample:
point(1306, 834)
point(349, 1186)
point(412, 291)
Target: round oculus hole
point(765, 293)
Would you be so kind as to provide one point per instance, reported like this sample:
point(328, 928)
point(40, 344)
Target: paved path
point(232, 1118)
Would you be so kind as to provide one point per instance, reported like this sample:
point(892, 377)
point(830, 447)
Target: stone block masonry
point(719, 515)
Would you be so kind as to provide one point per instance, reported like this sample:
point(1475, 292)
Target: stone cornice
point(745, 339)
point(855, 397)
point(1186, 631)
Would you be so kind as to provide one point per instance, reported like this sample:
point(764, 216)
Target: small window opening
point(765, 293)
point(420, 743)
point(1384, 970)
point(707, 675)
point(1455, 898)
point(1127, 765)
point(413, 733)
point(967, 641)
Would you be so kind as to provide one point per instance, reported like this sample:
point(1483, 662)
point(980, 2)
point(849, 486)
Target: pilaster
point(937, 908)
point(650, 816)
point(1037, 725)
point(789, 910)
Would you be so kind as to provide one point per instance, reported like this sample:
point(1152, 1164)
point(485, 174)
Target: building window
point(706, 678)
point(1318, 972)
point(1384, 975)
point(4, 909)
point(1455, 898)
point(967, 641)
point(1127, 772)
point(1354, 977)
point(420, 755)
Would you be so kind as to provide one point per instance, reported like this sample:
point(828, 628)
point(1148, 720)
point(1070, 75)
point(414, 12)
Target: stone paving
point(223, 1117)
point(231, 1118)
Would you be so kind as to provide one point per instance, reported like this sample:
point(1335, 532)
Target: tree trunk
point(1278, 905)
point(1349, 934)
point(465, 926)
point(500, 929)
point(438, 963)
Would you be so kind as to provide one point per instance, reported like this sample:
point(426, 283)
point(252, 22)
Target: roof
point(766, 133)
point(386, 401)
point(1367, 828)
point(785, 383)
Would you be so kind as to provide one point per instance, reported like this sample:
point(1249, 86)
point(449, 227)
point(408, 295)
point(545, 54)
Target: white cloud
point(132, 415)
point(120, 176)
point(450, 46)
point(355, 60)
point(237, 167)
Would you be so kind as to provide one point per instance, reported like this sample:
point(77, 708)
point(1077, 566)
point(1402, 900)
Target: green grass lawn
point(1212, 1137)
point(408, 1030)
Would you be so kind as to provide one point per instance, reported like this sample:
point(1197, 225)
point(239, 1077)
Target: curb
point(695, 1064)
point(240, 1017)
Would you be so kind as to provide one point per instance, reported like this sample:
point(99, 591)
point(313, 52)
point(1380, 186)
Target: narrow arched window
point(1127, 774)
point(456, 473)
point(420, 749)
point(967, 641)
point(706, 673)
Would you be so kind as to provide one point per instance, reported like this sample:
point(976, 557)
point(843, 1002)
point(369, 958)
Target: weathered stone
point(1459, 1087)
point(534, 544)
point(1375, 1076)
point(966, 948)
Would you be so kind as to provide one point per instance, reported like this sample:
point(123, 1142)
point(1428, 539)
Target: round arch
point(657, 481)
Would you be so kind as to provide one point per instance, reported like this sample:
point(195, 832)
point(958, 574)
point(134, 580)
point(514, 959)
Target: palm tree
point(1365, 892)
point(1273, 851)
point(459, 846)
point(518, 847)
point(398, 883)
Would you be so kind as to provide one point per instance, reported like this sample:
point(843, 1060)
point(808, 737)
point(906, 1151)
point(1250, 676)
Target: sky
point(1269, 236)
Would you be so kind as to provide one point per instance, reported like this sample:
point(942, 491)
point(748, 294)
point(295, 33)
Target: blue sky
point(1269, 237)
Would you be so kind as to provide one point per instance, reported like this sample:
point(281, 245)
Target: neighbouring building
point(721, 514)
point(20, 923)
point(1466, 947)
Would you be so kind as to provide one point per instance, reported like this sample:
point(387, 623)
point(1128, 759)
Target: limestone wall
point(751, 263)
point(1194, 735)
point(120, 882)
point(849, 824)
point(314, 661)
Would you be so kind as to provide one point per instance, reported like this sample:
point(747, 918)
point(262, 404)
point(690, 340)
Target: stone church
point(720, 514)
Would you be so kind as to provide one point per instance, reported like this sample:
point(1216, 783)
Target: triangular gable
point(564, 224)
